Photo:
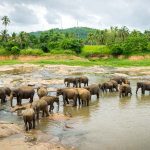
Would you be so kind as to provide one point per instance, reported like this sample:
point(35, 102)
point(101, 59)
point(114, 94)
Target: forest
point(77, 41)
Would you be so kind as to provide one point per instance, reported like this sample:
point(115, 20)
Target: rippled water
point(108, 123)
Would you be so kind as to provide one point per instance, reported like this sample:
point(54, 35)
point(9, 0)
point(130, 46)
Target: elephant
point(20, 93)
point(124, 90)
point(50, 101)
point(40, 105)
point(29, 118)
point(83, 80)
point(145, 86)
point(107, 85)
point(70, 80)
point(119, 79)
point(94, 89)
point(115, 84)
point(68, 93)
point(4, 91)
point(42, 91)
point(84, 95)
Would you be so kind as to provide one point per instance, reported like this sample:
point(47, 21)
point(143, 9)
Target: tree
point(4, 34)
point(5, 21)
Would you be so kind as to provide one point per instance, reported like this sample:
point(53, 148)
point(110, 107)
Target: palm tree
point(123, 33)
point(4, 35)
point(5, 21)
point(23, 39)
point(91, 38)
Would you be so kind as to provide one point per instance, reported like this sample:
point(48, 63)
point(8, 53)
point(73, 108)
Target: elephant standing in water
point(119, 80)
point(83, 80)
point(68, 93)
point(115, 85)
point(24, 92)
point(124, 90)
point(4, 91)
point(42, 91)
point(145, 86)
point(107, 85)
point(69, 81)
point(29, 118)
point(50, 101)
point(94, 89)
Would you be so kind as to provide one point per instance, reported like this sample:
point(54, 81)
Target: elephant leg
point(31, 99)
point(97, 95)
point(42, 113)
point(75, 102)
point(79, 100)
point(120, 94)
point(37, 115)
point(46, 112)
point(30, 125)
point(34, 122)
point(26, 125)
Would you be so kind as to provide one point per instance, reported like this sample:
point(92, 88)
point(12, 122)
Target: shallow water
point(108, 123)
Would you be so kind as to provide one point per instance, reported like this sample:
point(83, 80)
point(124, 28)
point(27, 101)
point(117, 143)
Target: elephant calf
point(42, 91)
point(124, 90)
point(68, 93)
point(40, 105)
point(94, 89)
point(4, 91)
point(50, 101)
point(84, 95)
point(29, 118)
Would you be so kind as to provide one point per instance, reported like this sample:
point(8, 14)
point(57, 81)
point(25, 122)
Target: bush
point(15, 50)
point(116, 50)
point(44, 47)
point(34, 52)
point(89, 50)
point(68, 52)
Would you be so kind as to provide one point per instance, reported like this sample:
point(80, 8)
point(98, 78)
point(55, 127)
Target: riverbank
point(73, 60)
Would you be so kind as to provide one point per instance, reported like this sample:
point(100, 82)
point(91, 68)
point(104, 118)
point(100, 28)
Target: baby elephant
point(42, 91)
point(50, 101)
point(29, 118)
point(40, 105)
point(124, 90)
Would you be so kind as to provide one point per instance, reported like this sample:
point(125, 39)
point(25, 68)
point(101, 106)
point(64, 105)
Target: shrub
point(44, 47)
point(68, 52)
point(116, 50)
point(15, 50)
point(34, 52)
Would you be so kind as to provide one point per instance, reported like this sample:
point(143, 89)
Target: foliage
point(15, 50)
point(34, 52)
point(116, 50)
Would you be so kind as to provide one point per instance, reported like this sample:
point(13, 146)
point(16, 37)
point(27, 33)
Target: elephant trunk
point(11, 100)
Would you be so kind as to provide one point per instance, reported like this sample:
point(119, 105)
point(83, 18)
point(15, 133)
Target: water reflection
point(124, 101)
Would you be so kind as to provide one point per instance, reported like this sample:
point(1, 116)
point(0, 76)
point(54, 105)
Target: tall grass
point(91, 50)
point(33, 52)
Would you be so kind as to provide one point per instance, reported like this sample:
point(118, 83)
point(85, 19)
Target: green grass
point(89, 50)
point(101, 62)
point(9, 62)
point(33, 52)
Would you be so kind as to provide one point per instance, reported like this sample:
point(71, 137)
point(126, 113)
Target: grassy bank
point(77, 61)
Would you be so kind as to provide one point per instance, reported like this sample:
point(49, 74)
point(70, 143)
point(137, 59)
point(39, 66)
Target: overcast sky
point(34, 15)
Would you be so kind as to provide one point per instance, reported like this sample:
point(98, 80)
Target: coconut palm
point(4, 34)
point(5, 21)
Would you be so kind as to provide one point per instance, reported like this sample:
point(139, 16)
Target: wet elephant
point(125, 90)
point(40, 105)
point(84, 96)
point(94, 89)
point(68, 81)
point(83, 80)
point(4, 91)
point(107, 85)
point(115, 84)
point(119, 80)
point(29, 118)
point(42, 91)
point(145, 86)
point(68, 93)
point(50, 101)
point(24, 92)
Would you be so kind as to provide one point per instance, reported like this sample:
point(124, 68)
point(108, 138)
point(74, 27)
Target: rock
point(7, 129)
point(58, 117)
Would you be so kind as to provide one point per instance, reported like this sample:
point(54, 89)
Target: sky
point(40, 15)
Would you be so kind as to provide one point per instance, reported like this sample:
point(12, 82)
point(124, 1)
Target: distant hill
point(82, 32)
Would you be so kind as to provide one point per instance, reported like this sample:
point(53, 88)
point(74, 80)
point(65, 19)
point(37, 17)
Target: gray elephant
point(29, 118)
point(50, 101)
point(84, 96)
point(68, 81)
point(40, 105)
point(125, 90)
point(24, 92)
point(68, 93)
point(115, 85)
point(107, 85)
point(4, 91)
point(83, 80)
point(119, 80)
point(42, 91)
point(94, 89)
point(145, 86)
